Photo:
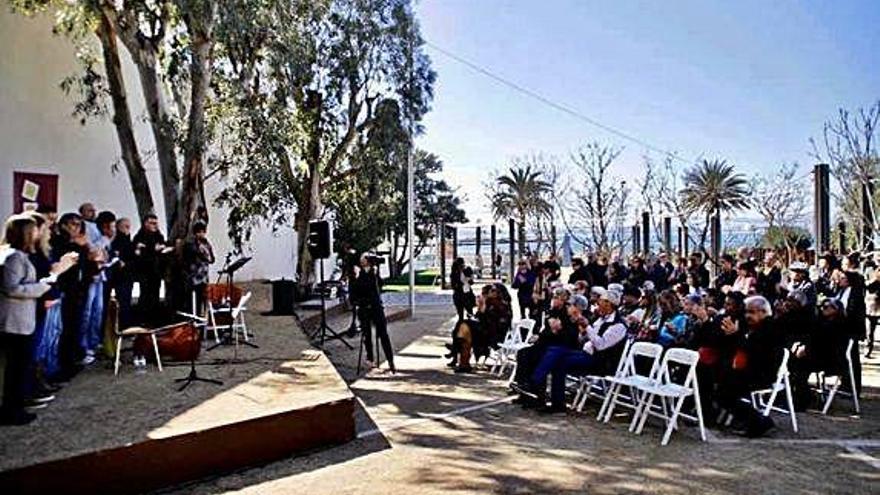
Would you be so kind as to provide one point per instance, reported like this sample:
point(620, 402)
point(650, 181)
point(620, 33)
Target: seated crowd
point(58, 275)
point(739, 323)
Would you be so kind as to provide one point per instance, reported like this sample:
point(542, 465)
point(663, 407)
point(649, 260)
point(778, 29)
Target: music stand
point(193, 376)
point(229, 270)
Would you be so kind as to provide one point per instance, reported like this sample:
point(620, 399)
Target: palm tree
point(713, 187)
point(520, 193)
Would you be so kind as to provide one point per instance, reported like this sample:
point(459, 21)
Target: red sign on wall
point(33, 191)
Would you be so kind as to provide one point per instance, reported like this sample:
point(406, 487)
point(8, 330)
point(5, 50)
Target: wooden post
point(494, 250)
point(443, 255)
point(636, 238)
point(479, 239)
point(821, 218)
point(667, 234)
point(454, 243)
point(512, 227)
point(687, 241)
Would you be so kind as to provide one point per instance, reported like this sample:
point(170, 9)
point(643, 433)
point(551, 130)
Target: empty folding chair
point(838, 381)
point(513, 344)
point(665, 388)
point(595, 385)
point(764, 400)
point(629, 376)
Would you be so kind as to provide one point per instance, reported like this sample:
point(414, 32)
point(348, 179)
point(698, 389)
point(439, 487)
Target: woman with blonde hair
point(20, 288)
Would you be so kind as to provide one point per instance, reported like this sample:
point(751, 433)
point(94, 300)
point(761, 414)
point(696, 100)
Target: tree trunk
point(191, 206)
point(522, 235)
point(310, 207)
point(140, 186)
point(163, 133)
point(144, 54)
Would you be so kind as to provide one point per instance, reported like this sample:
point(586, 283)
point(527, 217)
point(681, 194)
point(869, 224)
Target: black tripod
point(323, 329)
point(193, 376)
point(364, 342)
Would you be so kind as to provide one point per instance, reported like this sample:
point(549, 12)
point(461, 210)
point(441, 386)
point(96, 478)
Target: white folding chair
point(834, 389)
point(665, 388)
point(764, 400)
point(595, 385)
point(513, 343)
point(629, 376)
point(235, 322)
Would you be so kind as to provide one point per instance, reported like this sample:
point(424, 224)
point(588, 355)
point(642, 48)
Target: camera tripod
point(323, 328)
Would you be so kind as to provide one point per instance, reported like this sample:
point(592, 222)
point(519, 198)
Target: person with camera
point(367, 297)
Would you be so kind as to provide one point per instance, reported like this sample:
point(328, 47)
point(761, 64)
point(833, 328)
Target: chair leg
point(702, 423)
point(156, 350)
point(118, 351)
point(609, 409)
point(770, 401)
point(790, 400)
point(672, 421)
point(645, 409)
point(852, 386)
point(831, 394)
point(606, 401)
point(512, 374)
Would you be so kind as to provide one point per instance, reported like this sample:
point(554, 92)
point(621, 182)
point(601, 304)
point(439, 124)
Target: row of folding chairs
point(639, 392)
point(642, 389)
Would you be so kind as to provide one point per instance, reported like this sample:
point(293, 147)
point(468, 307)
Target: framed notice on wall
point(33, 191)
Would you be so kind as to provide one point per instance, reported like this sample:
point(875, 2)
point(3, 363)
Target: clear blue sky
point(749, 81)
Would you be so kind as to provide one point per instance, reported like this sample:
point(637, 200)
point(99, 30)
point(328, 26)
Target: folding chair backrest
point(241, 304)
point(783, 366)
point(622, 363)
point(648, 350)
point(515, 335)
point(848, 351)
point(683, 357)
point(528, 324)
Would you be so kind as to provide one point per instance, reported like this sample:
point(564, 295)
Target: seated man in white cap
point(602, 342)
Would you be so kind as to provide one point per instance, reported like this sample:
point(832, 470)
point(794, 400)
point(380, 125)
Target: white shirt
point(612, 336)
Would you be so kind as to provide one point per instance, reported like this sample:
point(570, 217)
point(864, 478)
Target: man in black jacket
point(754, 365)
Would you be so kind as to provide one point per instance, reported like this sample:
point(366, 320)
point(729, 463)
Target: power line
point(558, 106)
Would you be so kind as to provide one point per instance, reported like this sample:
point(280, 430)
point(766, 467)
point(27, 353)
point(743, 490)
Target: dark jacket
point(365, 291)
point(762, 348)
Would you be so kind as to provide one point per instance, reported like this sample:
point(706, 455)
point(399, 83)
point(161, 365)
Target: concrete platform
point(135, 433)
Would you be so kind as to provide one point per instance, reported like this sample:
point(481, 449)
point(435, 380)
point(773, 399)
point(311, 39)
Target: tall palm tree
point(521, 193)
point(713, 187)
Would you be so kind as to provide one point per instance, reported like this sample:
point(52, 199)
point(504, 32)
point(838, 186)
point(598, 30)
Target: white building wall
point(38, 134)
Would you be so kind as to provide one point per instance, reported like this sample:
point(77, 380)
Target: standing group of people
point(58, 274)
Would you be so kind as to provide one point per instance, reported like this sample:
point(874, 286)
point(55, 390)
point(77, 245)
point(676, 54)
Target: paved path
point(427, 430)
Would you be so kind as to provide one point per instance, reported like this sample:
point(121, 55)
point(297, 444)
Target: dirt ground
point(98, 410)
point(428, 430)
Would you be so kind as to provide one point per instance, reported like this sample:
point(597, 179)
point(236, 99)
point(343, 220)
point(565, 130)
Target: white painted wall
point(38, 134)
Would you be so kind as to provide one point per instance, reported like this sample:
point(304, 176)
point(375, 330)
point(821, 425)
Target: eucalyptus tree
point(319, 79)
point(171, 43)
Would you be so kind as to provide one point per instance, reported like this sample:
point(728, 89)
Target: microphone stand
point(193, 376)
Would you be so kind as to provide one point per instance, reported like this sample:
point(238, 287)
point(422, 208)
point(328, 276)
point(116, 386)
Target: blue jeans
point(92, 322)
point(559, 362)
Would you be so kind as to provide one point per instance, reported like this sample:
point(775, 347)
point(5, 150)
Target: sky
point(748, 81)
